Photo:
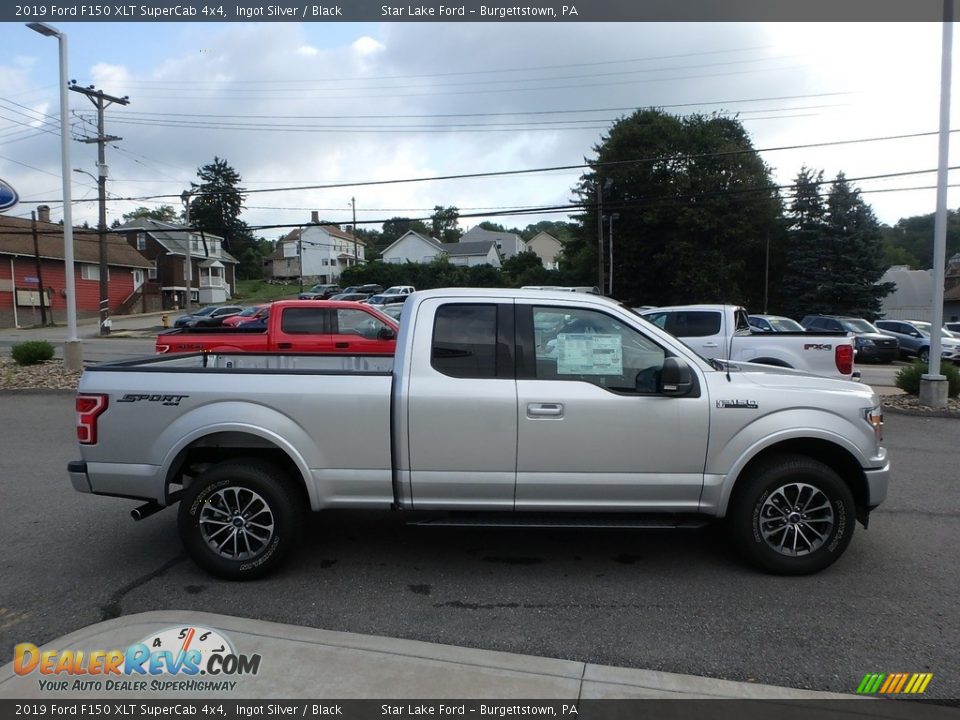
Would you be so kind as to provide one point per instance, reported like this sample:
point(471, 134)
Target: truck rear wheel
point(240, 519)
point(793, 516)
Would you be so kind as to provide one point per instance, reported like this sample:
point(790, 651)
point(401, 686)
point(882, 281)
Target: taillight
point(89, 408)
point(844, 359)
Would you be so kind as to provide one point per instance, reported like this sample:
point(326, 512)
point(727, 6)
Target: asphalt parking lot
point(678, 601)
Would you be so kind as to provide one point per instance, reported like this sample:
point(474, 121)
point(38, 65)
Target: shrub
point(908, 378)
point(32, 352)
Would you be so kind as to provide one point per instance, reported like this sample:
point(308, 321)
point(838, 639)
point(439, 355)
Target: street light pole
point(73, 348)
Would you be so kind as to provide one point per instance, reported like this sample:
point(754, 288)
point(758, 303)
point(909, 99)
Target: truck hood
point(780, 377)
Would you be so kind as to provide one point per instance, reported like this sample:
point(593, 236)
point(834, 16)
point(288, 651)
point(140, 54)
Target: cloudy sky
point(290, 104)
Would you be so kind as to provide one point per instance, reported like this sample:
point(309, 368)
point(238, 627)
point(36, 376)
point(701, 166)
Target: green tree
point(216, 206)
point(910, 241)
point(695, 205)
point(835, 251)
point(526, 268)
point(807, 250)
point(164, 213)
point(395, 228)
point(443, 224)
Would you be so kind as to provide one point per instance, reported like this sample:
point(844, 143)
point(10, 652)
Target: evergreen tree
point(835, 251)
point(215, 207)
point(807, 255)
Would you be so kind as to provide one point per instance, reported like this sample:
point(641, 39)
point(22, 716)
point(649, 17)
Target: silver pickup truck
point(530, 406)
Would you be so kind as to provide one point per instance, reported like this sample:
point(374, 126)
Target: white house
point(547, 248)
point(412, 247)
point(318, 252)
point(482, 252)
point(508, 244)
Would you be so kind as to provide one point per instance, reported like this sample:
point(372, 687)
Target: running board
point(568, 520)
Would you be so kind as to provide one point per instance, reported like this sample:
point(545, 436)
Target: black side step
point(609, 521)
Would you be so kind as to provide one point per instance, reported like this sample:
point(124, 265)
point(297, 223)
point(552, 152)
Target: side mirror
point(676, 377)
point(386, 334)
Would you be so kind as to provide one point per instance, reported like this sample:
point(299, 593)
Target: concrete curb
point(301, 662)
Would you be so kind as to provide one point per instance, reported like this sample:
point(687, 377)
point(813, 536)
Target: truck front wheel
point(240, 519)
point(793, 516)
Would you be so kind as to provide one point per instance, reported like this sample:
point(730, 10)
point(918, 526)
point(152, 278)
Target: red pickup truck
point(298, 326)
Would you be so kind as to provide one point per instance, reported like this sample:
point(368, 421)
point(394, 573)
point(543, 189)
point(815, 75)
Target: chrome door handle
point(710, 344)
point(538, 410)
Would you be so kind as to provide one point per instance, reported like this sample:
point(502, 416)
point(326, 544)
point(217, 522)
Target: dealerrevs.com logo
point(175, 659)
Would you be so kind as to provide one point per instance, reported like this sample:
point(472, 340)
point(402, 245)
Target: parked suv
point(871, 344)
point(914, 339)
point(319, 292)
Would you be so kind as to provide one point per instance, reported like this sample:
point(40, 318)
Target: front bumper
point(878, 479)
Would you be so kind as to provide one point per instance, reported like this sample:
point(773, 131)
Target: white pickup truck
point(723, 331)
point(516, 403)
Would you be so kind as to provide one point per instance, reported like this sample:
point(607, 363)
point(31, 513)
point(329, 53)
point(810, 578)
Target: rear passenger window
point(693, 323)
point(303, 321)
point(465, 341)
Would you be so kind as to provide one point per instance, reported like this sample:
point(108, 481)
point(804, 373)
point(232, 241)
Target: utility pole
point(356, 256)
point(600, 282)
point(101, 101)
point(188, 268)
point(39, 265)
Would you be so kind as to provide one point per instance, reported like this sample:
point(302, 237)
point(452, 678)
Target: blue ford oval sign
point(8, 196)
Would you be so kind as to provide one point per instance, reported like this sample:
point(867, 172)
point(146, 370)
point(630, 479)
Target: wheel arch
point(217, 445)
point(834, 456)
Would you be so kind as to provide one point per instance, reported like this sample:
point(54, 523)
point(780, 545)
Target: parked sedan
point(209, 316)
point(319, 292)
point(914, 339)
point(774, 323)
point(380, 300)
point(352, 296)
point(249, 314)
point(871, 344)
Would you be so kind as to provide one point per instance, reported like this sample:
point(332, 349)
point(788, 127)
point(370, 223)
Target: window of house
point(89, 271)
point(152, 271)
point(590, 346)
point(465, 341)
point(141, 241)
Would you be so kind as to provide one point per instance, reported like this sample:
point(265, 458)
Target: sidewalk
point(305, 663)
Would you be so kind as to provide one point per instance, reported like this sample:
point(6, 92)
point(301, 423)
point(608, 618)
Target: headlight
point(874, 417)
point(865, 342)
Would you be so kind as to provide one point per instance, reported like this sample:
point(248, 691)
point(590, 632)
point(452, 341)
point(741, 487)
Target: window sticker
point(589, 354)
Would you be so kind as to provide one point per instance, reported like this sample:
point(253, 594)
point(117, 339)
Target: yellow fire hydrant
point(165, 320)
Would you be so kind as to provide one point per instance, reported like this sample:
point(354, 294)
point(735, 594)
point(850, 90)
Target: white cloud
point(367, 45)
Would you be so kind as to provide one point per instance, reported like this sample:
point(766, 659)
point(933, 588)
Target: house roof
point(476, 234)
point(16, 238)
point(331, 230)
point(430, 240)
point(460, 249)
point(174, 238)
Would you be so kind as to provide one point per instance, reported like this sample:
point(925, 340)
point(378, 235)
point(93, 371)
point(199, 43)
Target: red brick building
point(20, 278)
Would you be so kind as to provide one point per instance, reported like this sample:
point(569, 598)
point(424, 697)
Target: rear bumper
point(137, 482)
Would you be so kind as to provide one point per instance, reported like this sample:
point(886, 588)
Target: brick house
point(20, 279)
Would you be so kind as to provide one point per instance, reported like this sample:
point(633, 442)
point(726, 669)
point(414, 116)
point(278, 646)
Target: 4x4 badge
point(743, 404)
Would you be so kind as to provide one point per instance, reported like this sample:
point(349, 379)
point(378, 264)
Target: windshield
point(249, 312)
point(858, 326)
point(783, 324)
point(208, 310)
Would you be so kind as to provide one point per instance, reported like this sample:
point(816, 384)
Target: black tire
point(255, 543)
point(924, 355)
point(789, 502)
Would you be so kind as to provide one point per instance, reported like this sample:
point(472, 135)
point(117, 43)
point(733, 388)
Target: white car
point(399, 290)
